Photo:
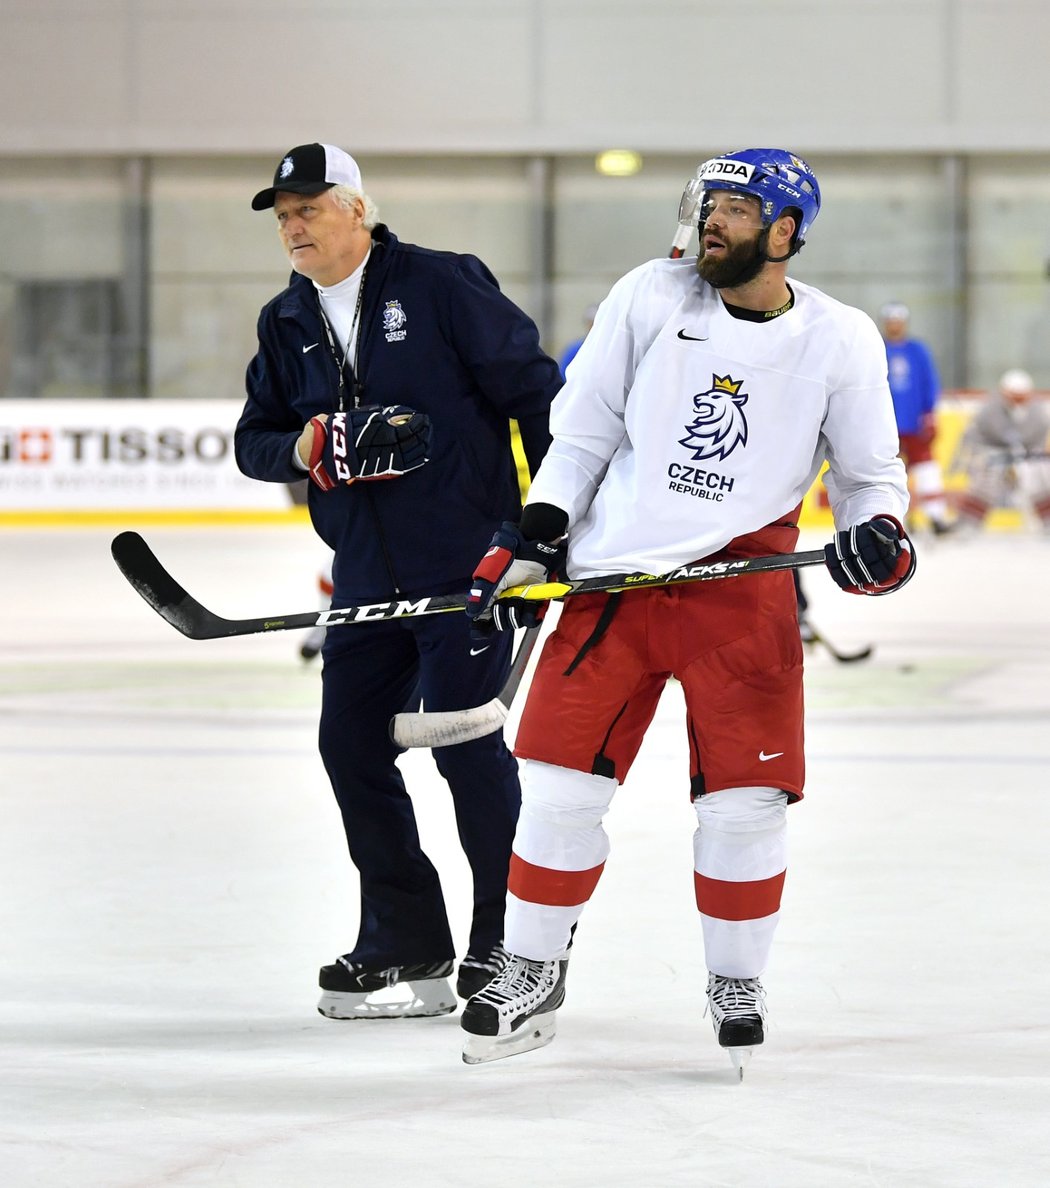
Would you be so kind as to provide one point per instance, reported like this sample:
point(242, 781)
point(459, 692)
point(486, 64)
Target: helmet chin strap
point(796, 244)
point(767, 258)
point(779, 259)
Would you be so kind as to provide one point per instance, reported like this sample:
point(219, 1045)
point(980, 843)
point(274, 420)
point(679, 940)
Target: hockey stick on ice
point(446, 728)
point(814, 636)
point(147, 575)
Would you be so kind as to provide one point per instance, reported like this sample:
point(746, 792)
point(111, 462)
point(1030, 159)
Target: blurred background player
point(1004, 453)
point(569, 353)
point(315, 638)
point(915, 387)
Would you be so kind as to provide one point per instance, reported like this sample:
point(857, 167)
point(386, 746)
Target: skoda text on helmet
point(780, 181)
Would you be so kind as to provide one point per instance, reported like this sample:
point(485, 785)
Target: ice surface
point(174, 873)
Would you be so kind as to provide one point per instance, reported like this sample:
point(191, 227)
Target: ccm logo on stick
point(377, 610)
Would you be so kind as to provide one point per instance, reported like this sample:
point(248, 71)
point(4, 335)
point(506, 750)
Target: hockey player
point(698, 412)
point(389, 374)
point(314, 641)
point(1004, 451)
point(915, 387)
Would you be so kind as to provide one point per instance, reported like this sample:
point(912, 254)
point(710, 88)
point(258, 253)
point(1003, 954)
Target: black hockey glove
point(511, 560)
point(871, 558)
point(368, 443)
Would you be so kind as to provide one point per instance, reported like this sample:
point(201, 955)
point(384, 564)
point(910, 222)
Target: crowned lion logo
point(394, 319)
point(720, 425)
point(393, 316)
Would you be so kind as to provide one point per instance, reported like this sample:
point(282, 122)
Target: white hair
point(348, 195)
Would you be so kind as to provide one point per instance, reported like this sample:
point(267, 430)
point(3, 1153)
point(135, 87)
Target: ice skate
point(475, 973)
point(313, 643)
point(805, 630)
point(515, 1012)
point(738, 1008)
point(353, 991)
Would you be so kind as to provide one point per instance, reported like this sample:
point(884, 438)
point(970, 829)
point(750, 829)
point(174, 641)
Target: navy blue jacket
point(456, 349)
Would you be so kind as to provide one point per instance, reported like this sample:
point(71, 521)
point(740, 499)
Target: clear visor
point(700, 200)
point(689, 207)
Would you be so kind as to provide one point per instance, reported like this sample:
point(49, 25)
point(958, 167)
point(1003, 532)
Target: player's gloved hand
point(511, 560)
point(368, 443)
point(875, 557)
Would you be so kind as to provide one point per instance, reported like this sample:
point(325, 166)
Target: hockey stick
point(814, 636)
point(151, 580)
point(446, 728)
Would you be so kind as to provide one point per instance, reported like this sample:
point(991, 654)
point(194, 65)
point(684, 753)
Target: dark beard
point(739, 265)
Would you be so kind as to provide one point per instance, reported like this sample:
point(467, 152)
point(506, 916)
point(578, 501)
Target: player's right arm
point(269, 427)
point(587, 416)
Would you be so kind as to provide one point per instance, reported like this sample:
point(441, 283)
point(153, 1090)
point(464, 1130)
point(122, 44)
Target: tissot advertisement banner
point(141, 454)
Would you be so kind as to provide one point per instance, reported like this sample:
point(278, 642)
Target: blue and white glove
point(368, 443)
point(875, 557)
point(511, 560)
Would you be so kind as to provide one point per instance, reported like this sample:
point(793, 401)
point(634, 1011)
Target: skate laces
point(522, 984)
point(735, 998)
point(493, 963)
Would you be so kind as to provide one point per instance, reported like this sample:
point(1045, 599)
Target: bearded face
point(727, 263)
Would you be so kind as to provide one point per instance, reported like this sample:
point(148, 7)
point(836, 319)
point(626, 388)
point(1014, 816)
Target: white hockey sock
point(929, 489)
point(740, 858)
point(560, 848)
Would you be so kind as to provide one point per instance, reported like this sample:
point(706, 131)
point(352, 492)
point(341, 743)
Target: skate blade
point(480, 1049)
point(426, 998)
point(740, 1057)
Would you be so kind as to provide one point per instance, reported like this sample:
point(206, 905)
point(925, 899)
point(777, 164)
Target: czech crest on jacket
point(394, 321)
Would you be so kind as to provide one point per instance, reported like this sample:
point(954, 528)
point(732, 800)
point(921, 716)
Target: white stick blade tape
point(448, 727)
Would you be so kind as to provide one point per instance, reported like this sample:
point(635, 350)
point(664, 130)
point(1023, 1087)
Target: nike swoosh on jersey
point(764, 758)
point(688, 337)
point(310, 347)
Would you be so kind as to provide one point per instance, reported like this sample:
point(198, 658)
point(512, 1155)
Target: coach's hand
point(875, 557)
point(365, 444)
point(511, 560)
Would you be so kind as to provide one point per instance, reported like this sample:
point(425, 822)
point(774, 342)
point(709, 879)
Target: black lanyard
point(358, 388)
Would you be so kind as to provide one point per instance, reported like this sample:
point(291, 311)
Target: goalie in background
point(388, 374)
point(1003, 453)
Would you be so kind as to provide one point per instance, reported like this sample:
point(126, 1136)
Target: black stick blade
point(138, 563)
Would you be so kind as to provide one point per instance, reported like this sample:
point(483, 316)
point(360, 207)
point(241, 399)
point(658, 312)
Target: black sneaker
point(475, 973)
point(516, 1010)
point(349, 988)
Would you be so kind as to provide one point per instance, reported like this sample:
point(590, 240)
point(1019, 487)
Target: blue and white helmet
point(777, 178)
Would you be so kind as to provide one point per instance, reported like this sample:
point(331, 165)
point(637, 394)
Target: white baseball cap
point(895, 311)
point(1017, 382)
point(310, 169)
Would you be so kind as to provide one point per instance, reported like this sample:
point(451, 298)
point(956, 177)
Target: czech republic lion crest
point(720, 425)
point(394, 320)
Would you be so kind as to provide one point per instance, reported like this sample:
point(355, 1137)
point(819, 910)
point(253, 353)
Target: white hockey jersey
point(681, 427)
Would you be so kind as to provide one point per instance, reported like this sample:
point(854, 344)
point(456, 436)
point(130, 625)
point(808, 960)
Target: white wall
point(407, 76)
